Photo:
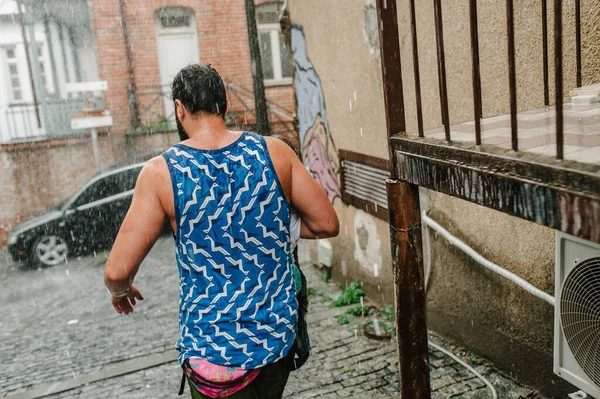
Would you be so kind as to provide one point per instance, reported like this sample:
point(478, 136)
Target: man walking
point(227, 196)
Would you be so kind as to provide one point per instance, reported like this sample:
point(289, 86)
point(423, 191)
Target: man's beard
point(182, 133)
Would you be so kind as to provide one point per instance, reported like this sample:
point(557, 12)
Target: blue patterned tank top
point(237, 302)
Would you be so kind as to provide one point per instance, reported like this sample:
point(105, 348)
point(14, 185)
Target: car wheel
point(50, 250)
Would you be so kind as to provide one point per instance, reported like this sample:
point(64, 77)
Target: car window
point(128, 178)
point(110, 185)
point(103, 188)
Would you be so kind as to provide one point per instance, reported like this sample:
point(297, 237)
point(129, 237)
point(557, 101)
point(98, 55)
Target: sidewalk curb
point(118, 369)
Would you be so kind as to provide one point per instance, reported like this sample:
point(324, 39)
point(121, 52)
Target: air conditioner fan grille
point(580, 315)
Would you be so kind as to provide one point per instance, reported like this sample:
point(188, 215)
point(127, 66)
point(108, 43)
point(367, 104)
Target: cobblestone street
point(58, 327)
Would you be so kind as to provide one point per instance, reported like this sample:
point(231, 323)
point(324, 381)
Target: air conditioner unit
point(577, 313)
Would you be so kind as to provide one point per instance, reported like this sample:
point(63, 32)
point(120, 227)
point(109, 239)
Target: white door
point(177, 47)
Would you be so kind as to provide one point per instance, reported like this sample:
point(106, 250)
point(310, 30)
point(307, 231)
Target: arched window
point(275, 54)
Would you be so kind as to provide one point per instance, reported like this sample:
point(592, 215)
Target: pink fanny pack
point(217, 381)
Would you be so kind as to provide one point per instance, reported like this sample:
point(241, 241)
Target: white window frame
point(41, 59)
point(9, 76)
point(278, 80)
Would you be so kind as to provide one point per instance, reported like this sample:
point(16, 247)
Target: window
point(14, 80)
point(274, 52)
point(103, 188)
point(128, 178)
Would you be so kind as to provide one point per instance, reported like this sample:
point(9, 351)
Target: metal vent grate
point(580, 315)
point(365, 182)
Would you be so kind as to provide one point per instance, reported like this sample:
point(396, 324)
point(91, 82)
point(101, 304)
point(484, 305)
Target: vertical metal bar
point(26, 122)
point(512, 74)
point(260, 101)
point(133, 101)
point(545, 51)
point(441, 58)
point(405, 224)
point(29, 66)
point(477, 106)
point(95, 148)
point(8, 124)
point(578, 39)
point(407, 265)
point(391, 69)
point(415, 47)
point(30, 132)
point(558, 53)
point(41, 84)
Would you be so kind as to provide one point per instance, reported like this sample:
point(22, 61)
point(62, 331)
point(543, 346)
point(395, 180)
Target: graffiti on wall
point(318, 149)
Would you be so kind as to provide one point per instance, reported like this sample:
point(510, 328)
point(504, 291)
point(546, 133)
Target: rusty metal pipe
point(415, 48)
point(477, 99)
point(391, 70)
point(441, 58)
point(558, 54)
point(578, 39)
point(512, 74)
point(545, 52)
point(409, 283)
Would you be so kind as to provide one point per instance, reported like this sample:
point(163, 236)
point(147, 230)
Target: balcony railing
point(19, 122)
point(156, 112)
point(512, 68)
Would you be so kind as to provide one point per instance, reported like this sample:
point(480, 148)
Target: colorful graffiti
point(318, 149)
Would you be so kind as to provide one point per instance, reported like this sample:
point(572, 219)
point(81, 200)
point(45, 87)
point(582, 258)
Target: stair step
point(591, 90)
point(585, 100)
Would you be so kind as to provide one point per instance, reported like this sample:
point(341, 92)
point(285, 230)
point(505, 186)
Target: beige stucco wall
point(349, 71)
point(465, 302)
point(493, 49)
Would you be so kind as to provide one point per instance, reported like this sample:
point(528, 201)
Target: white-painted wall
point(20, 122)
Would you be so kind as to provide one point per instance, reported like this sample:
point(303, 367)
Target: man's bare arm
point(140, 229)
point(319, 219)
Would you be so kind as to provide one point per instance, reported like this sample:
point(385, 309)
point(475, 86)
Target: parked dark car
point(88, 221)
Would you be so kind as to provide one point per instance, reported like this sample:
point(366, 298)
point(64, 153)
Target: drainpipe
point(134, 109)
point(260, 101)
point(28, 57)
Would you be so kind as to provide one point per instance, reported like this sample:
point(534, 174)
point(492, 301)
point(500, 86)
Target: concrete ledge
point(110, 371)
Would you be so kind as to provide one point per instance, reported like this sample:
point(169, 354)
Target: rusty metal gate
point(549, 193)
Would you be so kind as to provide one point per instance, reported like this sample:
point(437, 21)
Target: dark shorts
point(269, 384)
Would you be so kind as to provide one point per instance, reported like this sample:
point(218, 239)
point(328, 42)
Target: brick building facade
point(38, 174)
point(222, 40)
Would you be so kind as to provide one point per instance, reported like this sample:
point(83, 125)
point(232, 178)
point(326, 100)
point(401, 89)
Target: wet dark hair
point(289, 143)
point(200, 89)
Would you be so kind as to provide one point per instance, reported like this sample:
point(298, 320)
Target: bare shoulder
point(154, 173)
point(155, 167)
point(275, 144)
point(283, 158)
point(280, 149)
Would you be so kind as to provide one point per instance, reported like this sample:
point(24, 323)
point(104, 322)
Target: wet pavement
point(59, 333)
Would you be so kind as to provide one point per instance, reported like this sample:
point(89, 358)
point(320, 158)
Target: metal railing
point(534, 189)
point(156, 113)
point(512, 81)
point(18, 122)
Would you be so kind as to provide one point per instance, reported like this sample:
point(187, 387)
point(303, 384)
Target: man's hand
point(125, 304)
